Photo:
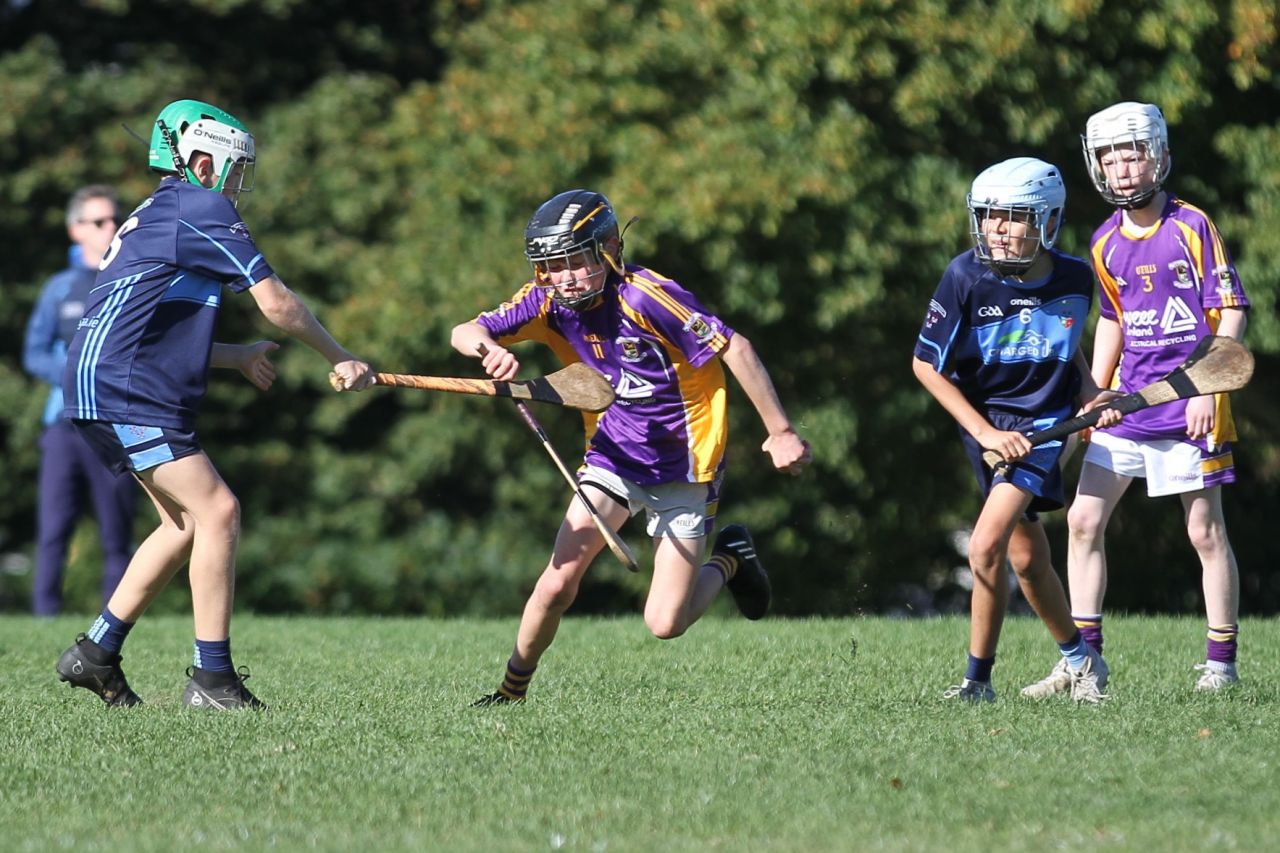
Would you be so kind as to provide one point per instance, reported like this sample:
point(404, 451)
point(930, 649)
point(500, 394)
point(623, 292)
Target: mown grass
point(779, 735)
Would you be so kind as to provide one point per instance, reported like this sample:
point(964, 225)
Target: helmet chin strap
point(1138, 201)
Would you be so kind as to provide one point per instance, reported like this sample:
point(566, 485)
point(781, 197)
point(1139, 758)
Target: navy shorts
point(1039, 473)
point(131, 447)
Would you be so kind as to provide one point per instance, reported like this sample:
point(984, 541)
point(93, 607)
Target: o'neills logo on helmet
point(221, 139)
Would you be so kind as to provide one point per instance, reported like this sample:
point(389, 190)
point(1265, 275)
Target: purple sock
point(1091, 629)
point(1220, 643)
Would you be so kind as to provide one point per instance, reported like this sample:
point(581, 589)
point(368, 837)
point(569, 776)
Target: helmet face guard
point(1128, 131)
point(186, 128)
point(569, 232)
point(1028, 196)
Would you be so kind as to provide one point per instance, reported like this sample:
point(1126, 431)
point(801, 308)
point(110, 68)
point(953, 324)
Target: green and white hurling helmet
point(185, 128)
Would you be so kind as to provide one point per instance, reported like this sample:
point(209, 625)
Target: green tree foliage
point(800, 166)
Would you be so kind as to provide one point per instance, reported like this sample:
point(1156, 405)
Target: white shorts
point(1170, 467)
point(672, 510)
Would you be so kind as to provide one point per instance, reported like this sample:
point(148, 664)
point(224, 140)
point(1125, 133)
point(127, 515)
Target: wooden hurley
point(1218, 364)
point(577, 386)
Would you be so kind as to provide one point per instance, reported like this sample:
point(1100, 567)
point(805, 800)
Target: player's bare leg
point(577, 543)
point(988, 548)
point(1097, 495)
point(1040, 584)
point(194, 484)
point(682, 588)
point(1096, 498)
point(157, 559)
point(1207, 530)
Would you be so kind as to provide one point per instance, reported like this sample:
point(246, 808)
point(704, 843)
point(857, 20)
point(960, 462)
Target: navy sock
point(979, 669)
point(109, 632)
point(213, 656)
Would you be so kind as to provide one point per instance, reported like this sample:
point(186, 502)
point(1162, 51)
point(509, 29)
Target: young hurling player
point(1167, 281)
point(659, 448)
point(137, 370)
point(999, 350)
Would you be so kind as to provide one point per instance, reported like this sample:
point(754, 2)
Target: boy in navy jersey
point(1000, 350)
point(138, 369)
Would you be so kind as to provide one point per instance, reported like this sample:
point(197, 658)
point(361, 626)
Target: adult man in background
point(70, 472)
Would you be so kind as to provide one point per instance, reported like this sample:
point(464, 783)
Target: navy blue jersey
point(141, 354)
point(1006, 345)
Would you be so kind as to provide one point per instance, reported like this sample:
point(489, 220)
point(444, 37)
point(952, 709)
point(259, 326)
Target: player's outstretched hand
point(256, 365)
point(789, 452)
point(353, 375)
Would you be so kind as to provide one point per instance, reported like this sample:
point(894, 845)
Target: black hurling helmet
point(566, 226)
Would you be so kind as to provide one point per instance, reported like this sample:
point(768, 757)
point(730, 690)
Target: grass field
point(776, 735)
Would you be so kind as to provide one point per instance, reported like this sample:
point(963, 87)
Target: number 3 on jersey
point(632, 387)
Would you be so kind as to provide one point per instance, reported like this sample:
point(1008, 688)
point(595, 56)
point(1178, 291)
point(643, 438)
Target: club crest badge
point(1226, 281)
point(936, 313)
point(700, 328)
point(1181, 274)
point(630, 348)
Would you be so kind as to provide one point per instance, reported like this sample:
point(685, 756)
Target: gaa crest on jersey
point(1181, 274)
point(241, 229)
point(701, 330)
point(630, 349)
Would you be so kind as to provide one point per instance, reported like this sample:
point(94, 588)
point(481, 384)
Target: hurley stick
point(577, 386)
point(611, 538)
point(1217, 365)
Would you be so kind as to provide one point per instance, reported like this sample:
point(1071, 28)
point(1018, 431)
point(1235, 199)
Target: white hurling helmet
point(1140, 127)
point(1021, 185)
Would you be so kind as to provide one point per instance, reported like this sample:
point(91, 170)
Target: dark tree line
point(802, 167)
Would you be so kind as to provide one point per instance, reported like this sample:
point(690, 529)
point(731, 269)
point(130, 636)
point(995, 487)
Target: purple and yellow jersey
point(1009, 345)
point(1166, 288)
point(657, 346)
point(141, 353)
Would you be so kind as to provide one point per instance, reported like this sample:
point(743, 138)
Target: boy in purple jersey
point(1167, 281)
point(137, 370)
point(1000, 350)
point(660, 447)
